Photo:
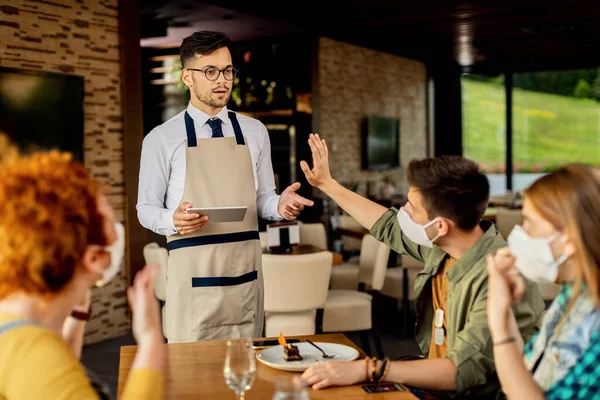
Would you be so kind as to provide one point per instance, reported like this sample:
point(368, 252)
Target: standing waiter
point(208, 156)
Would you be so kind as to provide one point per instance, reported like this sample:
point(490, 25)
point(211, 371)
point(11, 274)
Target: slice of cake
point(290, 352)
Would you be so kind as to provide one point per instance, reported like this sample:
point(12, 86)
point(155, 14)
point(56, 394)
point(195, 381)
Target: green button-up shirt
point(467, 335)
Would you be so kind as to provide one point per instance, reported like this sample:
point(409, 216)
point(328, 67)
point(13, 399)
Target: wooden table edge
point(342, 339)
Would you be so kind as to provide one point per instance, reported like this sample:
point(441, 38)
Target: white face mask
point(534, 258)
point(117, 251)
point(415, 232)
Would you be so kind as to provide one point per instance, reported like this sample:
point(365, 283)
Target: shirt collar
point(477, 253)
point(200, 117)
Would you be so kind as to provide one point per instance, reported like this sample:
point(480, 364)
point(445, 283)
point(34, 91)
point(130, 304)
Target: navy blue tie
point(215, 124)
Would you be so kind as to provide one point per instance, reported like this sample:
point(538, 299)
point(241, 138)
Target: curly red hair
point(8, 151)
point(48, 216)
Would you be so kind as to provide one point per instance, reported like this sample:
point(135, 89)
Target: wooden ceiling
point(482, 35)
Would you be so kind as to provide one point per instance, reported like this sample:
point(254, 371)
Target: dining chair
point(345, 276)
point(506, 219)
point(262, 235)
point(156, 255)
point(353, 310)
point(296, 287)
point(394, 287)
point(313, 234)
point(399, 284)
point(350, 244)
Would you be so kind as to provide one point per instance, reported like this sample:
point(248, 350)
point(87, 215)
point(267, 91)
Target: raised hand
point(319, 175)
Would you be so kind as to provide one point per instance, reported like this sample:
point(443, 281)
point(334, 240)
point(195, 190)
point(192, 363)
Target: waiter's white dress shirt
point(162, 169)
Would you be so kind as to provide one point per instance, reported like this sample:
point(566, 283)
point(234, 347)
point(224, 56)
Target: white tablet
point(220, 214)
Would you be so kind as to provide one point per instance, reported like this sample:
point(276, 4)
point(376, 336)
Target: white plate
point(273, 356)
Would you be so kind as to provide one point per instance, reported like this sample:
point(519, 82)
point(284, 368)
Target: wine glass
point(240, 366)
point(287, 389)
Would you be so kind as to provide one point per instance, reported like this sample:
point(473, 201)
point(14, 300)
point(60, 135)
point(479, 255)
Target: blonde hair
point(569, 198)
point(49, 215)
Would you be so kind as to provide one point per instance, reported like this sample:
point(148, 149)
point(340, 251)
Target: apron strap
point(213, 239)
point(190, 131)
point(16, 324)
point(239, 137)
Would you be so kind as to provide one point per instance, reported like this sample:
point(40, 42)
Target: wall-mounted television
point(381, 143)
point(42, 110)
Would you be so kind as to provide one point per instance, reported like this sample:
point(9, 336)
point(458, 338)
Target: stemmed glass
point(287, 389)
point(240, 366)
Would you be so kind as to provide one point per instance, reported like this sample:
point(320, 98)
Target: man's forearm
point(363, 210)
point(157, 219)
point(435, 374)
point(267, 206)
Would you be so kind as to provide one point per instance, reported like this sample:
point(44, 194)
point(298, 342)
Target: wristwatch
point(82, 316)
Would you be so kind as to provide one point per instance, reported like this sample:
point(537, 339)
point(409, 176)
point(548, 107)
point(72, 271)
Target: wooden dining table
point(300, 249)
point(195, 371)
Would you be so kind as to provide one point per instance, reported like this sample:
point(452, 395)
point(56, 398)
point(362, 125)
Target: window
point(484, 126)
point(556, 120)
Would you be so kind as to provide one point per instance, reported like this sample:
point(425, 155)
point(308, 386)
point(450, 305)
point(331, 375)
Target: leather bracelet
point(367, 369)
point(505, 341)
point(379, 371)
point(82, 316)
point(385, 368)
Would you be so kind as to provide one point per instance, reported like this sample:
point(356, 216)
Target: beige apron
point(214, 276)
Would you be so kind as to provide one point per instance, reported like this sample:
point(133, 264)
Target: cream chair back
point(506, 220)
point(374, 256)
point(313, 234)
point(296, 282)
point(156, 255)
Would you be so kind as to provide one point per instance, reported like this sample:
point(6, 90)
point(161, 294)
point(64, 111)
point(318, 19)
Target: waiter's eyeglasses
point(213, 73)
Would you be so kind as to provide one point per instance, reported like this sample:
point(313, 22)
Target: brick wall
point(80, 37)
point(354, 82)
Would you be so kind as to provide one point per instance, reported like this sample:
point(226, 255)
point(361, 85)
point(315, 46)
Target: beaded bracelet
point(367, 369)
point(373, 369)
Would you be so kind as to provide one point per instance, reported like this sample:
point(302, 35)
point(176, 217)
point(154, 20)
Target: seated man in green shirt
point(440, 226)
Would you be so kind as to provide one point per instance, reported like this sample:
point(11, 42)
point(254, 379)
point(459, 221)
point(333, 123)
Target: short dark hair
point(203, 43)
point(452, 187)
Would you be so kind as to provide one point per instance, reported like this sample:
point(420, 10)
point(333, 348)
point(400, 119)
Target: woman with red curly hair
point(7, 150)
point(59, 237)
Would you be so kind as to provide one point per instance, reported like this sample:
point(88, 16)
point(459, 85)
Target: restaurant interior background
point(513, 85)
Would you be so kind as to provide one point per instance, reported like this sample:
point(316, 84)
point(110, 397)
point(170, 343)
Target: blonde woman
point(59, 237)
point(558, 242)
